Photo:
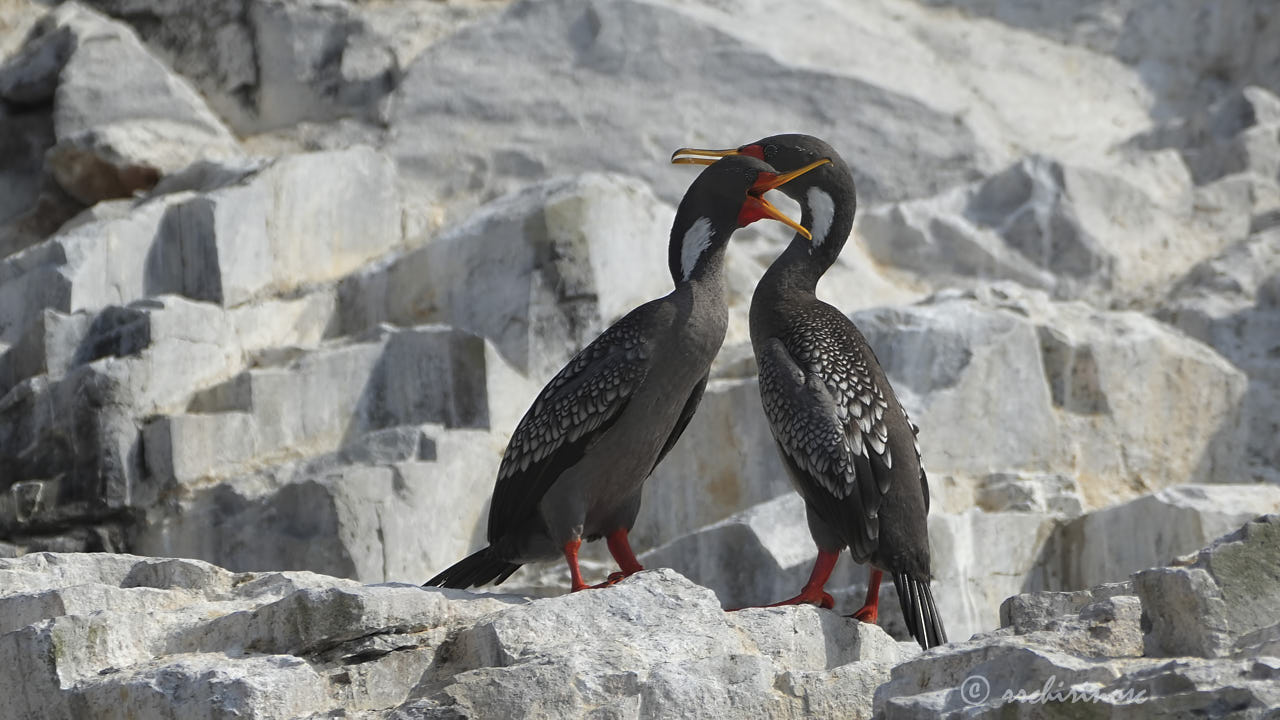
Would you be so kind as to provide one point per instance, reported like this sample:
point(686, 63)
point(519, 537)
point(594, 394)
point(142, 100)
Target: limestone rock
point(764, 555)
point(1030, 612)
point(273, 645)
point(338, 392)
point(540, 273)
point(272, 64)
point(1063, 651)
point(1109, 544)
point(270, 232)
point(304, 348)
point(1089, 400)
point(1173, 47)
point(1234, 135)
point(1077, 232)
point(1223, 602)
point(639, 658)
point(988, 75)
point(758, 556)
point(117, 132)
point(394, 505)
point(1232, 303)
point(1000, 677)
point(503, 102)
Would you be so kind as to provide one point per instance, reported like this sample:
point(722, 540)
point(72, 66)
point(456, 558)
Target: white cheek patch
point(696, 240)
point(823, 209)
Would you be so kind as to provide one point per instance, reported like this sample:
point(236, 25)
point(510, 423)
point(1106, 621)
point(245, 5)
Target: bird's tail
point(918, 610)
point(478, 568)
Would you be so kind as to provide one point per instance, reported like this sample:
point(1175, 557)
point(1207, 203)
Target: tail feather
point(919, 610)
point(479, 568)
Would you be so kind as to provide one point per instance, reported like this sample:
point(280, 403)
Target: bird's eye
point(770, 150)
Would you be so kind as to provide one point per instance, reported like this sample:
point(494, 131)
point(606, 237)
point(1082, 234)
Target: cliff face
point(277, 278)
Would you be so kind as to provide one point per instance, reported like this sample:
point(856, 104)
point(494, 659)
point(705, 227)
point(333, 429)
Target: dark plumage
point(577, 461)
point(845, 440)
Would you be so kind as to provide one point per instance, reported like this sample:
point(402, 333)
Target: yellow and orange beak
point(766, 182)
point(702, 157)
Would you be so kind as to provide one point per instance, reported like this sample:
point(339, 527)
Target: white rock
point(711, 662)
point(765, 554)
point(988, 75)
point(1172, 47)
point(1078, 232)
point(758, 556)
point(320, 400)
point(1223, 602)
point(1232, 302)
point(981, 558)
point(289, 644)
point(387, 517)
point(273, 65)
point(272, 232)
point(540, 272)
point(693, 487)
point(1061, 387)
point(101, 375)
point(505, 101)
point(116, 132)
point(1109, 544)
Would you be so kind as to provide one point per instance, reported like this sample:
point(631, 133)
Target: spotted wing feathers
point(577, 406)
point(828, 416)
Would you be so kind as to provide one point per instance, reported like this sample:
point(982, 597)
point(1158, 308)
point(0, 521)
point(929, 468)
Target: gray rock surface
point(1102, 651)
point(540, 272)
point(107, 635)
point(502, 102)
point(1074, 231)
point(253, 238)
point(267, 64)
point(1232, 303)
point(116, 132)
point(1114, 398)
point(1224, 601)
point(268, 645)
point(1109, 544)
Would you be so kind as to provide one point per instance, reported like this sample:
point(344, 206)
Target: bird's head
point(826, 195)
point(727, 195)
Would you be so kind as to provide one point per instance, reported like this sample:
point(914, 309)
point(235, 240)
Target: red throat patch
point(752, 210)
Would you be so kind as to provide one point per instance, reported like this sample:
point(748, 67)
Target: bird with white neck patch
point(576, 463)
point(846, 441)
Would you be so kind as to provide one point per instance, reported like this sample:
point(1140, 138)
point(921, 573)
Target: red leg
point(571, 556)
point(812, 592)
point(870, 607)
point(620, 548)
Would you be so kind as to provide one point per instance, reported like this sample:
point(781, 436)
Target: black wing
point(827, 414)
point(580, 403)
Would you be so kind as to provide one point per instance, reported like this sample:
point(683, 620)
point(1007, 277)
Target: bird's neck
point(706, 283)
point(796, 271)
